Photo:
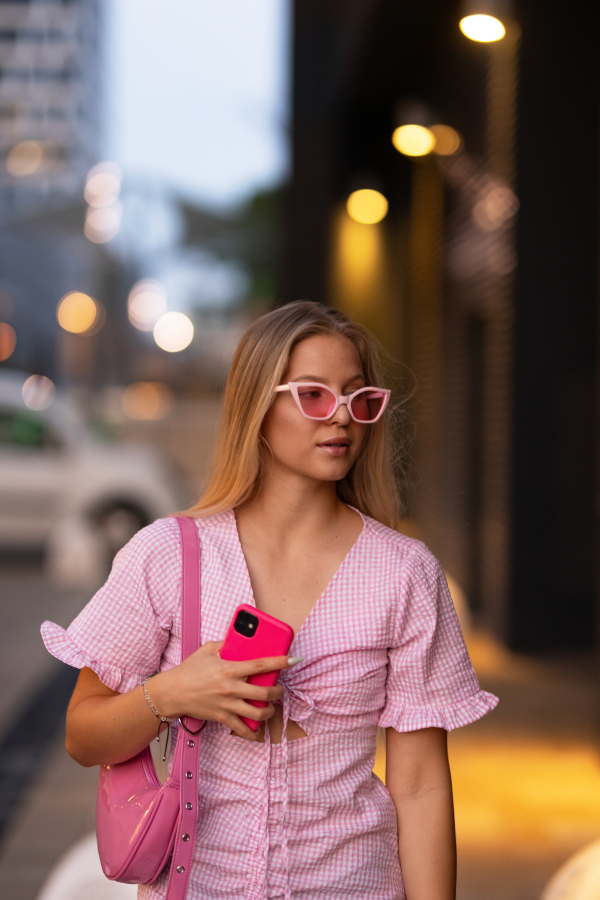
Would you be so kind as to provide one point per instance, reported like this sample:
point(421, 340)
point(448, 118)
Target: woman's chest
point(353, 611)
point(344, 640)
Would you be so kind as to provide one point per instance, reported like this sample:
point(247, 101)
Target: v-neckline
point(319, 602)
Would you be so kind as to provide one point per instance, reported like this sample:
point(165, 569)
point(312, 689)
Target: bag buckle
point(193, 733)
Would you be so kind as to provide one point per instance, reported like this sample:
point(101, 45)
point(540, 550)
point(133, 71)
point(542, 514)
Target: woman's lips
point(335, 448)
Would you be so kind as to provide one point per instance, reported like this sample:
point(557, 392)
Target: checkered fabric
point(382, 646)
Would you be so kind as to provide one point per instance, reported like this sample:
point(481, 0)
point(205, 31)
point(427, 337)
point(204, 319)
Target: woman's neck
point(294, 509)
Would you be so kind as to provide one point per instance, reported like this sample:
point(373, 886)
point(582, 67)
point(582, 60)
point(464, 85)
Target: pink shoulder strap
point(190, 579)
point(187, 752)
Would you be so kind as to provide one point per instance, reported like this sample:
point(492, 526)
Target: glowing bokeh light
point(8, 340)
point(413, 140)
point(25, 158)
point(146, 303)
point(102, 224)
point(482, 28)
point(497, 206)
point(447, 140)
point(173, 332)
point(367, 206)
point(578, 878)
point(79, 313)
point(38, 392)
point(147, 400)
point(103, 184)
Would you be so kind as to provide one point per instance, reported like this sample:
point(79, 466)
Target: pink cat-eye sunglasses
point(317, 401)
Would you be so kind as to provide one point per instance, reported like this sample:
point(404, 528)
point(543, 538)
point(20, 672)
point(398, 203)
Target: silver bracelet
point(151, 704)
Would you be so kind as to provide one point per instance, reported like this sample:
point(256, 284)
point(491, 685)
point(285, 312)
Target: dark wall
point(326, 41)
point(554, 485)
point(353, 61)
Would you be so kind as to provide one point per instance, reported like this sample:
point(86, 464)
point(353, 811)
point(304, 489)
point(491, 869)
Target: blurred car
point(68, 493)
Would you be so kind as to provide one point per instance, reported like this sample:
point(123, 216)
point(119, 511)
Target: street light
point(413, 140)
point(80, 314)
point(482, 20)
point(482, 28)
point(367, 206)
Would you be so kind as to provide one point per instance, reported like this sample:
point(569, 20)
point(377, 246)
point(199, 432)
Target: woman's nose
point(342, 415)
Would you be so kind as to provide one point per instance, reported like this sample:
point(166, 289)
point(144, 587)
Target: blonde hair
point(259, 365)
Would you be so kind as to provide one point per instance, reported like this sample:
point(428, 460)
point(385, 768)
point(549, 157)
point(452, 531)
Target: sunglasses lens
point(317, 402)
point(367, 405)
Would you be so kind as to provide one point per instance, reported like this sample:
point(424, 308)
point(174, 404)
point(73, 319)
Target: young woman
point(297, 520)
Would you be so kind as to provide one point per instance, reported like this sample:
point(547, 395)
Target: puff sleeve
point(430, 679)
point(124, 630)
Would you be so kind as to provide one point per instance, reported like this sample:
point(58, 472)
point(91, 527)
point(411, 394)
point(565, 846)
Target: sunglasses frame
point(340, 399)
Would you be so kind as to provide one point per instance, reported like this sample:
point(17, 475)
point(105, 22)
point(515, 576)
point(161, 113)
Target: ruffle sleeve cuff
point(411, 718)
point(61, 645)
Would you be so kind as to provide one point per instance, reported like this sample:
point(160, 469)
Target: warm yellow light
point(8, 341)
point(25, 158)
point(147, 400)
point(367, 207)
point(146, 303)
point(447, 140)
point(413, 140)
point(173, 332)
point(79, 313)
point(38, 392)
point(482, 28)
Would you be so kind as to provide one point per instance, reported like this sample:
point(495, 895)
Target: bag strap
point(188, 745)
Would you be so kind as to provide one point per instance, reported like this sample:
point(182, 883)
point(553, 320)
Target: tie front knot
point(300, 704)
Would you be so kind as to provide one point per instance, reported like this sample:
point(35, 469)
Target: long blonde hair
point(259, 365)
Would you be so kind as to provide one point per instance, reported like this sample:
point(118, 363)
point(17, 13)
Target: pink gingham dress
point(382, 646)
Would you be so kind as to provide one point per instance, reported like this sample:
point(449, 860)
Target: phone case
point(271, 638)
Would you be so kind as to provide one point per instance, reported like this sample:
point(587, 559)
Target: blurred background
point(170, 172)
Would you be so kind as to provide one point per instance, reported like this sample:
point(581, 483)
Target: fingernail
point(292, 660)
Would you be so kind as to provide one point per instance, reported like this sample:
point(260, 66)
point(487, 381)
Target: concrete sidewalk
point(526, 777)
point(58, 811)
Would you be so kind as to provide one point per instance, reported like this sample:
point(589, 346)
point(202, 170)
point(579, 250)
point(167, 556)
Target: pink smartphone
point(253, 634)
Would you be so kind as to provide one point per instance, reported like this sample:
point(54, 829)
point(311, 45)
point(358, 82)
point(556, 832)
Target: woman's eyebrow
point(321, 380)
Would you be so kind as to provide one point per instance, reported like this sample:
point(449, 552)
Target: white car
point(66, 492)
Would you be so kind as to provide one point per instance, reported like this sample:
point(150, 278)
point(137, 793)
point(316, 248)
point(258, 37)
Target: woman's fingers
point(211, 646)
point(249, 667)
point(235, 724)
point(258, 692)
point(258, 713)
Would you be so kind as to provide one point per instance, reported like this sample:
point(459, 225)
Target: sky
point(197, 94)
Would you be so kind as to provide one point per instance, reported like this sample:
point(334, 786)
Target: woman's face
point(321, 450)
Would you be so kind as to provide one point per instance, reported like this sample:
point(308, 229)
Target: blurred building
point(481, 279)
point(50, 101)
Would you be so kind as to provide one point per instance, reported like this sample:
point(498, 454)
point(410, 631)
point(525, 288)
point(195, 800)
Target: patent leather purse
point(140, 822)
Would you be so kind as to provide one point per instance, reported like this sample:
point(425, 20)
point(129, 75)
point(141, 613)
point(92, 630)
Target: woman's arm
point(418, 778)
point(105, 727)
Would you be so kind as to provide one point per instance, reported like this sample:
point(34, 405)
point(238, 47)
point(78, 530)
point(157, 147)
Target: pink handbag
point(138, 820)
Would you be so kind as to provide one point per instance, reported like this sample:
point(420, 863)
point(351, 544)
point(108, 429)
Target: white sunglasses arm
point(282, 387)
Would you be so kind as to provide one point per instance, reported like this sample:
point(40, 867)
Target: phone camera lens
point(245, 623)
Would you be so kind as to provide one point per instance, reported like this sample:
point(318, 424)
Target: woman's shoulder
point(166, 530)
point(395, 541)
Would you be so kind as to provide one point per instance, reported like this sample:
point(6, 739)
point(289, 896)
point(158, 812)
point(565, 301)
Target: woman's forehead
point(322, 352)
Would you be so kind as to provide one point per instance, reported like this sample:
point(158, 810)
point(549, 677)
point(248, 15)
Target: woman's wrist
point(158, 696)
